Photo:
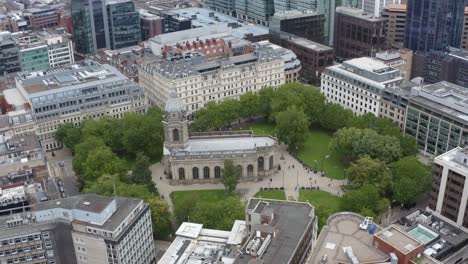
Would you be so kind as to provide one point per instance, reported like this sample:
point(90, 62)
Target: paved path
point(292, 174)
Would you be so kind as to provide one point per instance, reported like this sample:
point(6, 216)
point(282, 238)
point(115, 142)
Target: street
point(62, 169)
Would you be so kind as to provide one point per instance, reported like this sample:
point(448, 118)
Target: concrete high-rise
point(396, 23)
point(434, 25)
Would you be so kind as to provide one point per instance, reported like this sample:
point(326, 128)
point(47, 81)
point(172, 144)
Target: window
point(175, 135)
point(206, 173)
point(217, 172)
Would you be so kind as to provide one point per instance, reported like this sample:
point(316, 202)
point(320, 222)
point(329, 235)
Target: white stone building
point(358, 84)
point(198, 81)
point(197, 158)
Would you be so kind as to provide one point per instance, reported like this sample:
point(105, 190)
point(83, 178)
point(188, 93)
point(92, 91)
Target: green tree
point(100, 161)
point(141, 174)
point(231, 175)
point(249, 105)
point(412, 178)
point(367, 171)
point(385, 148)
point(144, 133)
point(285, 97)
point(83, 149)
point(107, 129)
point(184, 209)
point(363, 199)
point(343, 140)
point(160, 216)
point(229, 111)
point(408, 145)
point(265, 98)
point(334, 117)
point(68, 135)
point(292, 126)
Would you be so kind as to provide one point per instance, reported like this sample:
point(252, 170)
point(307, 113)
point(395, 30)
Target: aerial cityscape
point(234, 131)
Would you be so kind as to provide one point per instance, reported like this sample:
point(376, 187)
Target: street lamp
point(325, 157)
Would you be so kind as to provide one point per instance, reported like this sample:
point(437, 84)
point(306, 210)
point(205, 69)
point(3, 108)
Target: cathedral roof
point(174, 103)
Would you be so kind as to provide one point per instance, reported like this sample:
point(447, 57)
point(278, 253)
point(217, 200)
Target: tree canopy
point(231, 175)
point(291, 127)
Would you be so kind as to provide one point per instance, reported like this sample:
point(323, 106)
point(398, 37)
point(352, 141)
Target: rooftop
point(195, 245)
point(442, 240)
point(447, 99)
point(289, 14)
point(189, 63)
point(68, 77)
point(399, 239)
point(342, 230)
point(224, 144)
point(395, 7)
point(309, 44)
point(290, 221)
point(358, 13)
point(18, 144)
point(201, 18)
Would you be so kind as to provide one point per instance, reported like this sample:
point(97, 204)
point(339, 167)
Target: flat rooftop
point(399, 239)
point(290, 220)
point(309, 44)
point(69, 77)
point(358, 13)
point(342, 230)
point(447, 99)
point(289, 14)
point(395, 7)
point(203, 19)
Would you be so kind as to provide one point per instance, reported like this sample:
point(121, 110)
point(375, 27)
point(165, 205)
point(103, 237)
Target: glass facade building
point(437, 116)
point(434, 25)
point(99, 25)
point(124, 24)
point(35, 59)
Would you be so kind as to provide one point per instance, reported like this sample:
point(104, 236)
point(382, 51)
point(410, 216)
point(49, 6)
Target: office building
point(44, 50)
point(292, 64)
point(449, 193)
point(436, 66)
point(41, 17)
point(223, 6)
point(151, 25)
point(437, 116)
point(124, 24)
point(358, 84)
point(357, 34)
point(464, 44)
point(273, 232)
point(394, 102)
point(16, 152)
point(396, 25)
point(314, 57)
point(256, 11)
point(304, 24)
point(99, 25)
point(9, 54)
point(401, 59)
point(72, 94)
point(375, 7)
point(86, 228)
point(199, 81)
point(434, 25)
point(173, 22)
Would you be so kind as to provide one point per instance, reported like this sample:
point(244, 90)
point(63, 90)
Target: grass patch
point(315, 149)
point(261, 129)
point(205, 196)
point(277, 195)
point(325, 203)
point(320, 198)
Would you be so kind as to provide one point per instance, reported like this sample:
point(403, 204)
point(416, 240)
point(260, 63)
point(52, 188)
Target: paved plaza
point(291, 175)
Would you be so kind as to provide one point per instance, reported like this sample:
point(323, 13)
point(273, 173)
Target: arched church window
point(175, 135)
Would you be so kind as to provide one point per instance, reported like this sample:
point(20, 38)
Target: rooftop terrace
point(342, 230)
